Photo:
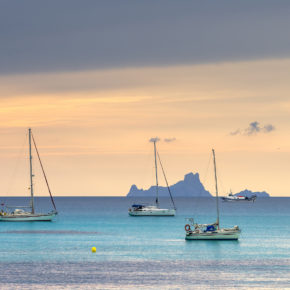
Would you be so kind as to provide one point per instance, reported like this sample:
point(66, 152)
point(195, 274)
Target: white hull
point(27, 217)
point(216, 235)
point(152, 212)
point(226, 199)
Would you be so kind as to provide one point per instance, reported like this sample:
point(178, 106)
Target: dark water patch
point(59, 232)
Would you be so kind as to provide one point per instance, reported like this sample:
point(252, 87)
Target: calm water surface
point(148, 252)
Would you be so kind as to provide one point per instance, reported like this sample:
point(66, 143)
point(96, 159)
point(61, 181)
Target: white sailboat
point(212, 231)
point(154, 210)
point(27, 213)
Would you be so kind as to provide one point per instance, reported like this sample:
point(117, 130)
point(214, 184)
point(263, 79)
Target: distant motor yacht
point(232, 197)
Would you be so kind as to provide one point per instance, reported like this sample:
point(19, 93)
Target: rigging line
point(204, 180)
point(220, 180)
point(207, 170)
point(16, 168)
point(52, 201)
point(166, 181)
point(148, 177)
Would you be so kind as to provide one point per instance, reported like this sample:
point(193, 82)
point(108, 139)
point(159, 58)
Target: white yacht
point(232, 197)
point(211, 231)
point(154, 210)
point(28, 213)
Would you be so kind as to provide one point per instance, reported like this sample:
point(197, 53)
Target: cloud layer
point(106, 34)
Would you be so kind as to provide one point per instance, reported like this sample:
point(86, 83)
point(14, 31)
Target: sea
point(145, 252)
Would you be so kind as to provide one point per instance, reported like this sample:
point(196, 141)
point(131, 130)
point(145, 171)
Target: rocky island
point(190, 186)
point(249, 193)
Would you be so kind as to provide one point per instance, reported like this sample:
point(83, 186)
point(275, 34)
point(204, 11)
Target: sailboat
point(212, 231)
point(28, 213)
point(154, 210)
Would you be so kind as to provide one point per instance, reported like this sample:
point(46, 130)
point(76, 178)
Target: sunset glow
point(98, 123)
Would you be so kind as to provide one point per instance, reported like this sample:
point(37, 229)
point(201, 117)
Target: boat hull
point(220, 235)
point(27, 218)
point(231, 199)
point(237, 200)
point(212, 237)
point(153, 212)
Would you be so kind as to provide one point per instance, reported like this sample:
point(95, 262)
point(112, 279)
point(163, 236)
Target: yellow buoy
point(94, 249)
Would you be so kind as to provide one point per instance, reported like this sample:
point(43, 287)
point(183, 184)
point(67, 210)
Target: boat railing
point(16, 206)
point(190, 220)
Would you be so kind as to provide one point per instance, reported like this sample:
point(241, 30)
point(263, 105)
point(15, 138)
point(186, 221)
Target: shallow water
point(148, 252)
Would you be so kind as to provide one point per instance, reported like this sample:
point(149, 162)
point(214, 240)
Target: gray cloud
point(254, 128)
point(237, 132)
point(154, 139)
point(268, 128)
point(157, 139)
point(40, 36)
point(168, 140)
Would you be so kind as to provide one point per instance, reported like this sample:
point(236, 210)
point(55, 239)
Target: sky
point(96, 80)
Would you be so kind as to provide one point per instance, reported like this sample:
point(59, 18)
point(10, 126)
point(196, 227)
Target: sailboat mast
point(157, 200)
point(216, 190)
point(31, 173)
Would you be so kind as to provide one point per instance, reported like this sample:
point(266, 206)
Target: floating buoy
point(94, 249)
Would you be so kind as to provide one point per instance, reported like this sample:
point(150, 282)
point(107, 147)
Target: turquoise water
point(150, 247)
